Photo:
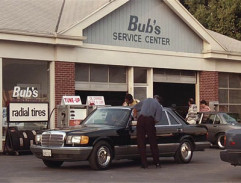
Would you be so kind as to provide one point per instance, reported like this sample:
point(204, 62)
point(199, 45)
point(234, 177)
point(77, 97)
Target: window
point(117, 74)
point(211, 119)
point(100, 73)
point(140, 83)
point(82, 72)
point(24, 75)
point(164, 120)
point(172, 120)
point(32, 75)
point(140, 93)
point(217, 120)
point(140, 75)
point(230, 92)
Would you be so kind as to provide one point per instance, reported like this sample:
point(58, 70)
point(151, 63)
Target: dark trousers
point(146, 126)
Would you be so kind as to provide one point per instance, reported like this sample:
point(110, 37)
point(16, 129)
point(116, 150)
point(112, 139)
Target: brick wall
point(64, 81)
point(208, 86)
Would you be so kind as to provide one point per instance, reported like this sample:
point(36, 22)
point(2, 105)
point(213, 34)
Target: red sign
point(71, 100)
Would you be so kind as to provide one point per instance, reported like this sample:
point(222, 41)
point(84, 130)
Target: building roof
point(49, 17)
point(75, 11)
point(30, 16)
point(45, 16)
point(230, 44)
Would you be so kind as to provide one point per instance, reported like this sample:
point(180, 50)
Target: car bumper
point(200, 146)
point(231, 156)
point(62, 153)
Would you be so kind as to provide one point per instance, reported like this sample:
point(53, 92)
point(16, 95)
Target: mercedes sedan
point(110, 133)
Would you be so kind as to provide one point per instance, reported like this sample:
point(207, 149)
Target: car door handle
point(179, 130)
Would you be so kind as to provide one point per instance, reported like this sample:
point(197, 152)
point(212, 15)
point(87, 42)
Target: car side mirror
point(133, 123)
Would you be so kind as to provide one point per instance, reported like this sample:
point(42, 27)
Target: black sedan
point(232, 152)
point(110, 133)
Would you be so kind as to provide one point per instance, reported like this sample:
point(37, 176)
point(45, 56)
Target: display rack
point(18, 140)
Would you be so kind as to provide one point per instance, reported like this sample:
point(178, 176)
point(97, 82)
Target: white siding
point(182, 38)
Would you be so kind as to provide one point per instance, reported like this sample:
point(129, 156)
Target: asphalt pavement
point(205, 166)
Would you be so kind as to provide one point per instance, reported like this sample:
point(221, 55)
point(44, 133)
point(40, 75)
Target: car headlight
point(77, 140)
point(38, 138)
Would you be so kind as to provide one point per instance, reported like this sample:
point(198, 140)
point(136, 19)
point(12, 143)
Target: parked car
point(217, 124)
point(110, 133)
point(232, 152)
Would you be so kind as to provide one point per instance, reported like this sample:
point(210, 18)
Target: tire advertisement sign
point(24, 112)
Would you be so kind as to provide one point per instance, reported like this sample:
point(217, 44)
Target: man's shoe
point(158, 165)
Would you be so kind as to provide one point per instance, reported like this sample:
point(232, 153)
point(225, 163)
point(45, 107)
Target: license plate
point(47, 152)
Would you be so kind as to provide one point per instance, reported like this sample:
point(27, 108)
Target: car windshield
point(228, 118)
point(109, 116)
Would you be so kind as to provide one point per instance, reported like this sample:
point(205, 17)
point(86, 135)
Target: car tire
point(184, 152)
point(53, 164)
point(101, 156)
point(220, 140)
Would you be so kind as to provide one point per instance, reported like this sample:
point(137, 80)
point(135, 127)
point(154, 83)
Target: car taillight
point(207, 135)
point(232, 143)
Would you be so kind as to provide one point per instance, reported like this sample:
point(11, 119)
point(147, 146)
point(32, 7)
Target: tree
point(222, 16)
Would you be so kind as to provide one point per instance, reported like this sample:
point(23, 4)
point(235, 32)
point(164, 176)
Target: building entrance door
point(175, 95)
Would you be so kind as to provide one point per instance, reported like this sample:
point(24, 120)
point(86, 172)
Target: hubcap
point(221, 141)
point(186, 151)
point(103, 156)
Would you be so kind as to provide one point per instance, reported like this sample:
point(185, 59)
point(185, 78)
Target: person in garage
point(130, 101)
point(192, 115)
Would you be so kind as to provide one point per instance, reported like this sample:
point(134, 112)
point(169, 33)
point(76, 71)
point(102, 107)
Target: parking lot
point(206, 166)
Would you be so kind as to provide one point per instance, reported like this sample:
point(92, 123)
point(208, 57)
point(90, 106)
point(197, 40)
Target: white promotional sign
point(23, 112)
point(71, 100)
point(25, 92)
point(95, 100)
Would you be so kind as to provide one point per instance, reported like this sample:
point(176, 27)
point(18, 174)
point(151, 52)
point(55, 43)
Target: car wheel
point(220, 140)
point(184, 152)
point(101, 156)
point(53, 164)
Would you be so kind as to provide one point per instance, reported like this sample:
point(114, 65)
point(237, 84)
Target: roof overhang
point(56, 39)
point(109, 7)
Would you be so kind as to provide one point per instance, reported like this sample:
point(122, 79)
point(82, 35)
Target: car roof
point(129, 107)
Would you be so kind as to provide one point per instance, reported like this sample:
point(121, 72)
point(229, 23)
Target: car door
point(168, 133)
point(164, 135)
point(213, 125)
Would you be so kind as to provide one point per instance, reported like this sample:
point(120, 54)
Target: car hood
point(83, 129)
point(238, 125)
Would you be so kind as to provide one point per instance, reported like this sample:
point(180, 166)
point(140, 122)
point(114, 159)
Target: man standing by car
point(149, 112)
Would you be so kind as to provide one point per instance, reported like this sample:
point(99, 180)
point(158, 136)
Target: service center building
point(51, 48)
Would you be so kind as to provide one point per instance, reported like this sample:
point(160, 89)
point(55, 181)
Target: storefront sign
point(71, 100)
point(151, 29)
point(25, 92)
point(24, 112)
point(95, 100)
